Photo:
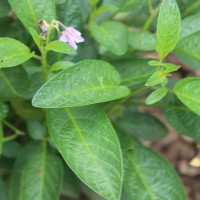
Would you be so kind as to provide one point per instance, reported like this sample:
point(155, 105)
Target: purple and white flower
point(71, 36)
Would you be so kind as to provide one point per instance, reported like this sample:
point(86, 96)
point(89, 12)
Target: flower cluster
point(69, 34)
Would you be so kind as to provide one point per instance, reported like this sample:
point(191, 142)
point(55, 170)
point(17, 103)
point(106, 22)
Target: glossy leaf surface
point(85, 83)
point(89, 145)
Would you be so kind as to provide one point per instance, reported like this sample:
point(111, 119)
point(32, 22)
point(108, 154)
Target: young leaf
point(89, 145)
point(188, 90)
point(31, 12)
point(147, 174)
point(170, 67)
point(112, 35)
point(156, 78)
point(144, 41)
point(156, 96)
point(168, 28)
point(184, 121)
point(3, 190)
point(133, 71)
point(35, 36)
point(88, 82)
point(42, 177)
point(13, 52)
point(60, 47)
point(141, 125)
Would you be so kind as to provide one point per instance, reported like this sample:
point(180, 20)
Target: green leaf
point(4, 8)
point(1, 138)
point(89, 145)
point(3, 190)
point(71, 184)
point(188, 90)
point(31, 12)
point(41, 177)
point(13, 52)
point(190, 47)
point(156, 78)
point(105, 8)
point(35, 36)
point(60, 65)
point(184, 121)
point(190, 25)
point(60, 47)
point(147, 174)
point(170, 67)
point(112, 35)
point(88, 82)
point(93, 2)
point(11, 149)
point(36, 129)
point(73, 13)
point(156, 96)
point(141, 125)
point(133, 71)
point(13, 85)
point(15, 179)
point(168, 28)
point(144, 41)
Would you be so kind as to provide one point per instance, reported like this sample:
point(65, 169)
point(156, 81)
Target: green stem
point(37, 57)
point(158, 105)
point(149, 6)
point(44, 64)
point(126, 98)
point(151, 18)
point(191, 8)
point(16, 130)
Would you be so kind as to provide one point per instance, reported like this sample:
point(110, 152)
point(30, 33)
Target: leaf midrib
point(82, 91)
point(138, 172)
point(70, 114)
point(8, 82)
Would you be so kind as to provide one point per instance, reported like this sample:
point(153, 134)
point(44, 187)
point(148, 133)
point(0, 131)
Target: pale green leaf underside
point(31, 12)
point(89, 145)
point(41, 178)
point(112, 35)
point(188, 90)
point(168, 28)
point(147, 176)
point(13, 52)
point(87, 82)
point(60, 47)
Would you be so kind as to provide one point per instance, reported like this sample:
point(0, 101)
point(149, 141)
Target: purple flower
point(71, 36)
